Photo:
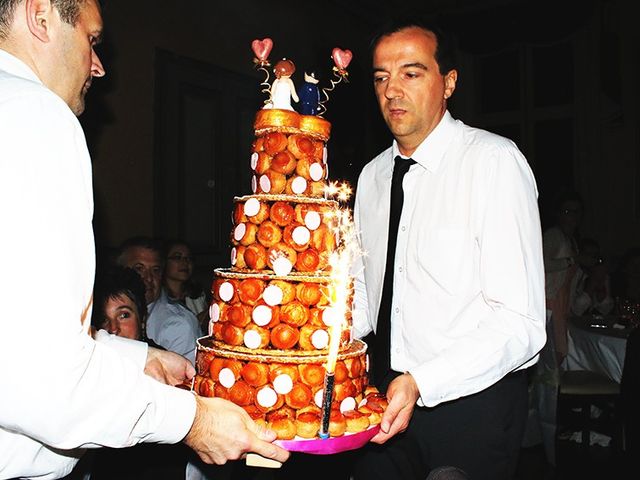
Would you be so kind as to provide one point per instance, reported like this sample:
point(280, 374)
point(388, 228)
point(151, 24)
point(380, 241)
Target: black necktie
point(381, 360)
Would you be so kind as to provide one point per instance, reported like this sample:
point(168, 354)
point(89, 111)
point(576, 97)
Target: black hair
point(445, 54)
point(143, 242)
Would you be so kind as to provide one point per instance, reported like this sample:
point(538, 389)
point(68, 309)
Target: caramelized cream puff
point(269, 234)
point(255, 257)
point(284, 337)
point(282, 213)
point(274, 142)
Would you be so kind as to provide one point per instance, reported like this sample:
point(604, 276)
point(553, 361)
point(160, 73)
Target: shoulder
point(488, 143)
point(374, 166)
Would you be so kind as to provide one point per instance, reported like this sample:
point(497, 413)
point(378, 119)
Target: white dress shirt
point(468, 304)
point(61, 390)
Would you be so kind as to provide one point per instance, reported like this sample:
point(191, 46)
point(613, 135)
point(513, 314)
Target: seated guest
point(590, 289)
point(179, 284)
point(119, 303)
point(169, 324)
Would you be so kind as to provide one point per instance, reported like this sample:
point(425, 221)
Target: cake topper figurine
point(310, 95)
point(341, 59)
point(261, 50)
point(282, 89)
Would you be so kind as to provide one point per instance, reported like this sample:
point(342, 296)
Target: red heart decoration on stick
point(262, 48)
point(341, 58)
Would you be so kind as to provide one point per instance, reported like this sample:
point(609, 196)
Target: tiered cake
point(275, 310)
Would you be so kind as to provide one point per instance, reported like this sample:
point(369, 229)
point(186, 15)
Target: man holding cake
point(455, 294)
point(53, 373)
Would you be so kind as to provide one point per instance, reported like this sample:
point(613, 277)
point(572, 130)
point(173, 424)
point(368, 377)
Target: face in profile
point(78, 62)
point(179, 265)
point(121, 317)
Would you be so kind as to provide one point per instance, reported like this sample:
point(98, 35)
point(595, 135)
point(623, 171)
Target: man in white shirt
point(169, 324)
point(53, 374)
point(466, 309)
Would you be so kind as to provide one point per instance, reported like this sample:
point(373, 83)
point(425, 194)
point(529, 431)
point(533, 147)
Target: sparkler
point(340, 262)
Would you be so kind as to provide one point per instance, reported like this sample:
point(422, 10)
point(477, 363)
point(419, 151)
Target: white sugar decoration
point(325, 155)
point(239, 231)
point(226, 291)
point(265, 184)
point(326, 171)
point(316, 172)
point(301, 235)
point(320, 339)
point(210, 329)
point(312, 220)
point(299, 185)
point(272, 295)
point(266, 397)
point(366, 363)
point(261, 315)
point(226, 378)
point(282, 266)
point(214, 312)
point(283, 384)
point(251, 207)
point(252, 339)
point(329, 316)
point(234, 256)
point(254, 184)
point(254, 160)
point(317, 398)
point(347, 404)
point(362, 403)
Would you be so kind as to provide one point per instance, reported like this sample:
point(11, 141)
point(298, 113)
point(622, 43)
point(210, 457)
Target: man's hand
point(223, 431)
point(402, 395)
point(168, 367)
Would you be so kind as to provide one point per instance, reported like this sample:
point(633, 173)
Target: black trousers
point(480, 434)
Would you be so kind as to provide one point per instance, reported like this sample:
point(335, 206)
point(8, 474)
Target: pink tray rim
point(330, 445)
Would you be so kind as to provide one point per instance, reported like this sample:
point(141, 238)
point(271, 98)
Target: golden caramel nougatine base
point(292, 408)
point(260, 313)
point(267, 120)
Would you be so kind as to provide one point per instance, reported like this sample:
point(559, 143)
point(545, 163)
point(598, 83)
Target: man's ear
point(39, 15)
point(450, 80)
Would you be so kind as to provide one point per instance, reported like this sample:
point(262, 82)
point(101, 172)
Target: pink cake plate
point(318, 446)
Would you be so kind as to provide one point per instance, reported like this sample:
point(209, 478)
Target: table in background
point(597, 345)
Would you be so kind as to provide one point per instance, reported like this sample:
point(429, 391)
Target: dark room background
point(170, 126)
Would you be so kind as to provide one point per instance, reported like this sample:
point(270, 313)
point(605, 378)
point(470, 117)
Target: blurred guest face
point(179, 264)
point(570, 215)
point(410, 88)
point(121, 317)
point(78, 62)
point(149, 266)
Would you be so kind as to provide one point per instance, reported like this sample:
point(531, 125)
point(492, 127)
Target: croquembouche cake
point(279, 342)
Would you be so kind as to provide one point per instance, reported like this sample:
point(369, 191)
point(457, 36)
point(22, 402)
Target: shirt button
point(403, 228)
point(399, 269)
point(397, 310)
point(397, 350)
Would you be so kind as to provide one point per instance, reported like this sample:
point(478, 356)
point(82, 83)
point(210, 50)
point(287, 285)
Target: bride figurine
point(282, 89)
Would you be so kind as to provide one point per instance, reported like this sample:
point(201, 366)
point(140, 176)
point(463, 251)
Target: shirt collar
point(13, 65)
point(430, 152)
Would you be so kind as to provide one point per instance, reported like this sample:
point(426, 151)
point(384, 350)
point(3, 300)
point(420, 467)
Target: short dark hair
point(69, 12)
point(445, 53)
point(114, 282)
point(141, 241)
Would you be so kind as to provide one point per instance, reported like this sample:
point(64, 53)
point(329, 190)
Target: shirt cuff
point(177, 416)
point(433, 380)
point(131, 349)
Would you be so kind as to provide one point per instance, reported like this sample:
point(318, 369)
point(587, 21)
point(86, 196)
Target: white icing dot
point(301, 235)
point(265, 184)
point(283, 384)
point(282, 266)
point(326, 171)
point(252, 339)
point(261, 315)
point(299, 185)
point(234, 256)
point(347, 404)
point(254, 160)
point(366, 363)
point(362, 403)
point(316, 172)
point(214, 312)
point(227, 378)
point(324, 154)
point(254, 184)
point(251, 207)
point(239, 231)
point(272, 295)
point(329, 316)
point(211, 323)
point(226, 291)
point(317, 398)
point(320, 339)
point(312, 220)
point(267, 397)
